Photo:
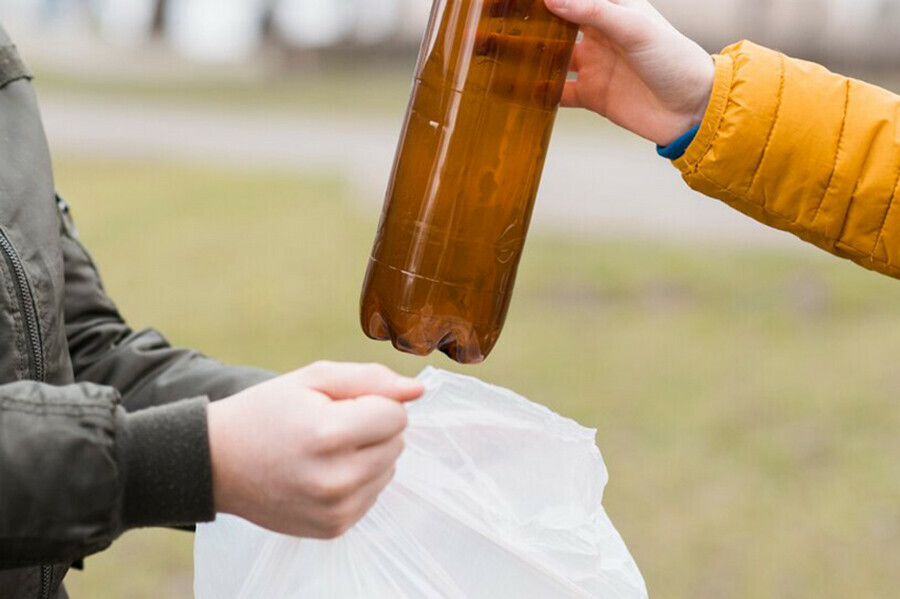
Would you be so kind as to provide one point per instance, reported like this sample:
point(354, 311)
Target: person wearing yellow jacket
point(782, 140)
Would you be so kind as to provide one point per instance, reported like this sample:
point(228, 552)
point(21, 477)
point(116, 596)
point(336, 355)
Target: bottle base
point(426, 335)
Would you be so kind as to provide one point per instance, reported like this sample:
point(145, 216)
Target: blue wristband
point(676, 149)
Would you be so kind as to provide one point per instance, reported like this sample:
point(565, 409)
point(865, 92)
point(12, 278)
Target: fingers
point(346, 498)
point(570, 90)
point(610, 18)
point(349, 381)
point(577, 59)
point(570, 95)
point(334, 519)
point(370, 493)
point(361, 422)
point(372, 461)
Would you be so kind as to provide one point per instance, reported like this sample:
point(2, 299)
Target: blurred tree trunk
point(159, 17)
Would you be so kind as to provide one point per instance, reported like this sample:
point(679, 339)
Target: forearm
point(142, 365)
point(803, 150)
point(148, 372)
point(782, 140)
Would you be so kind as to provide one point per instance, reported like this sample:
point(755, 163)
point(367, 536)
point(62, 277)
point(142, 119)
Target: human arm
point(173, 481)
point(67, 487)
point(782, 140)
point(77, 468)
point(141, 365)
point(148, 372)
point(306, 454)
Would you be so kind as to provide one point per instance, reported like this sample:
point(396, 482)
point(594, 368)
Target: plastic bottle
point(488, 83)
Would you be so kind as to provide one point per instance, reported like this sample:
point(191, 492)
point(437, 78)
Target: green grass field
point(746, 402)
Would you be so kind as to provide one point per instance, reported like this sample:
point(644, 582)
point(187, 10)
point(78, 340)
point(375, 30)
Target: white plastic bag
point(495, 497)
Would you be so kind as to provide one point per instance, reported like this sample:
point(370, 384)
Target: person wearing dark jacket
point(104, 429)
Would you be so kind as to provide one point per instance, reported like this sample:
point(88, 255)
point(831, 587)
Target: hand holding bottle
point(635, 68)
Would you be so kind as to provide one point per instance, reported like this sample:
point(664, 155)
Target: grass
point(745, 401)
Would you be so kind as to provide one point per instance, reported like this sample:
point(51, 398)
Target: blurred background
point(744, 386)
point(842, 30)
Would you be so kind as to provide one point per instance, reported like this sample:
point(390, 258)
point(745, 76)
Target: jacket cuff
point(168, 474)
point(676, 149)
point(715, 110)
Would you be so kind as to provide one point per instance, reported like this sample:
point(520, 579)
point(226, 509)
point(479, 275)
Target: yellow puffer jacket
point(804, 150)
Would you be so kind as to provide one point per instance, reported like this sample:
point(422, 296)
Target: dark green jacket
point(102, 428)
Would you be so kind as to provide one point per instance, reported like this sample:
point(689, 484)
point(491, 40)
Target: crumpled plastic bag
point(494, 497)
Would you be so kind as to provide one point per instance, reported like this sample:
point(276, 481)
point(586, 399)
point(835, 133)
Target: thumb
point(615, 21)
point(340, 380)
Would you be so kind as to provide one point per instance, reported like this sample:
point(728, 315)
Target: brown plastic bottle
point(487, 88)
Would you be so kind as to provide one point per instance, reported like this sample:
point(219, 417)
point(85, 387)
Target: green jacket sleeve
point(147, 372)
point(125, 446)
point(74, 463)
point(141, 365)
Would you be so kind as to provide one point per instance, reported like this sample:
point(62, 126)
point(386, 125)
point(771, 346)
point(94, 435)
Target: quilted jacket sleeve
point(163, 389)
point(141, 365)
point(803, 150)
point(76, 470)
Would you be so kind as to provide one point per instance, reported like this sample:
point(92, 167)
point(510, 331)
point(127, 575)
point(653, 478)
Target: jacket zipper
point(29, 308)
point(46, 578)
point(33, 338)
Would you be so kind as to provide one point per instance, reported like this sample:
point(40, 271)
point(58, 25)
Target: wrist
point(218, 425)
point(703, 86)
point(698, 86)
